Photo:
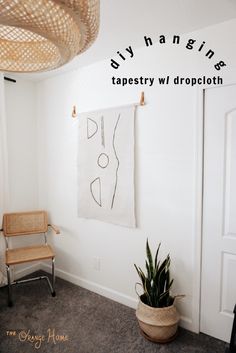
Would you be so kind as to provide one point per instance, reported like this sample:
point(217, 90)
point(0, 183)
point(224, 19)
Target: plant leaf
point(156, 282)
point(156, 256)
point(148, 270)
point(149, 257)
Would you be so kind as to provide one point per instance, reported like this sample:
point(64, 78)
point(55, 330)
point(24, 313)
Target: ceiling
point(125, 22)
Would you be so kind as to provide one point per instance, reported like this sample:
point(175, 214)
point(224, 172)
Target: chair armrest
point(54, 228)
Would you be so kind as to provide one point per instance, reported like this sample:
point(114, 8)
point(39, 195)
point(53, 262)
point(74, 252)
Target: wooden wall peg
point(142, 99)
point(74, 112)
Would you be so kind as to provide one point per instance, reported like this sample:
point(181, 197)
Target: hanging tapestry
point(106, 166)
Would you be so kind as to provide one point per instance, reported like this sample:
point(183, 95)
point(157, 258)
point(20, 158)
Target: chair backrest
point(25, 223)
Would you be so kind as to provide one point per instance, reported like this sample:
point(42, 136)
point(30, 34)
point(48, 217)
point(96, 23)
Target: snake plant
point(156, 282)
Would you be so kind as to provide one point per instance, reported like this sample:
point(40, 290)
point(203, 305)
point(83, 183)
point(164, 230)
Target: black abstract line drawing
point(103, 160)
point(118, 162)
point(92, 128)
point(95, 189)
point(102, 131)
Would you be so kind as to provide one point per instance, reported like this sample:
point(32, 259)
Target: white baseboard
point(185, 322)
point(94, 287)
point(16, 274)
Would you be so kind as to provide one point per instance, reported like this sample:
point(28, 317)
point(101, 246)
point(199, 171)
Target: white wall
point(20, 98)
point(167, 168)
point(22, 145)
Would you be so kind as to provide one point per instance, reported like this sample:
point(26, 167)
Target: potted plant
point(156, 313)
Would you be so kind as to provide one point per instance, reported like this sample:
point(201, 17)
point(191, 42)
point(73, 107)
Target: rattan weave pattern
point(23, 223)
point(39, 35)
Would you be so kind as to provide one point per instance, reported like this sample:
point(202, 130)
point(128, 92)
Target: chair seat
point(28, 254)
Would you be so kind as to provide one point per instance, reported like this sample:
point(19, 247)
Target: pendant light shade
point(40, 35)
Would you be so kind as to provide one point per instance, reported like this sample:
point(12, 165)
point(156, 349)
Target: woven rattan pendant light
point(40, 35)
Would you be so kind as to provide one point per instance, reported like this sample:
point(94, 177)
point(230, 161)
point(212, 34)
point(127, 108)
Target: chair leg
point(9, 286)
point(53, 277)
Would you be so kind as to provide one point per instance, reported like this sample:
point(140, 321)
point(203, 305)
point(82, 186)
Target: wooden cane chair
point(28, 224)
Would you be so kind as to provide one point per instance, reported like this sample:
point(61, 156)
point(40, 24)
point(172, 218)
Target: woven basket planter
point(158, 324)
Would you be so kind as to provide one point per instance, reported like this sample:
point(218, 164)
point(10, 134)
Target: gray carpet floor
point(80, 321)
